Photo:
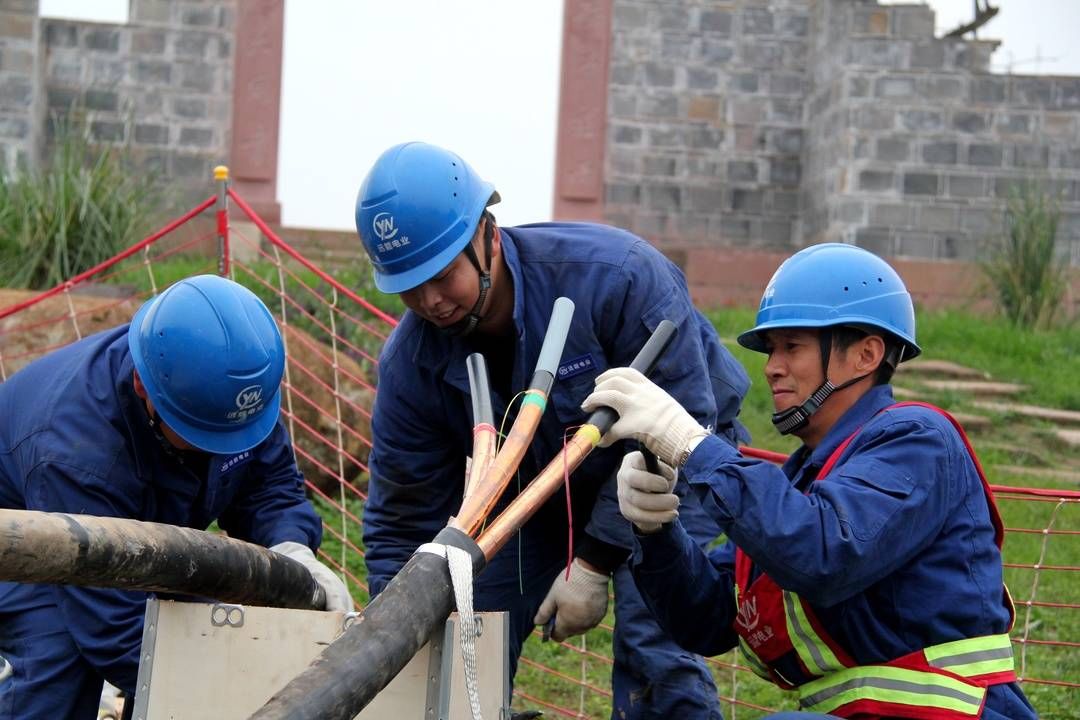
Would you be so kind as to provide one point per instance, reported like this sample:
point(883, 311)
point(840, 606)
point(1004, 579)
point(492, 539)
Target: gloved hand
point(337, 595)
point(577, 604)
point(645, 499)
point(646, 413)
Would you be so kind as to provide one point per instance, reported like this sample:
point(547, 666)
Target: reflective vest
point(941, 682)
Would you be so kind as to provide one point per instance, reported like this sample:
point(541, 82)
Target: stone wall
point(914, 145)
point(774, 125)
point(20, 103)
point(161, 84)
point(706, 132)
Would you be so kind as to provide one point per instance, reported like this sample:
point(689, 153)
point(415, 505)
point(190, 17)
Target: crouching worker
point(866, 573)
point(171, 419)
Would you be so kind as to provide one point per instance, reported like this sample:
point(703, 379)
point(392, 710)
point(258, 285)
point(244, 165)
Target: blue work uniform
point(422, 433)
point(76, 438)
point(895, 549)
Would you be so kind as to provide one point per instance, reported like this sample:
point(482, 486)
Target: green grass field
point(1044, 361)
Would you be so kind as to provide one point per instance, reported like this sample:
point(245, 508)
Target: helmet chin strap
point(467, 324)
point(796, 418)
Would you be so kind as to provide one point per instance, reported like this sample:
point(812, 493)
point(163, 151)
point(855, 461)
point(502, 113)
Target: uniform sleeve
point(695, 369)
point(106, 625)
point(873, 513)
point(417, 478)
point(689, 590)
point(272, 507)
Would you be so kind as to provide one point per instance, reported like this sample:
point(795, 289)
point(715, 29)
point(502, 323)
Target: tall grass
point(1026, 274)
point(81, 207)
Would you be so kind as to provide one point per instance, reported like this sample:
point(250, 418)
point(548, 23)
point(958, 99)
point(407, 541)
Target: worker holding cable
point(171, 419)
point(473, 286)
point(866, 573)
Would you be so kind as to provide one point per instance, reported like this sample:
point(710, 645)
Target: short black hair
point(844, 336)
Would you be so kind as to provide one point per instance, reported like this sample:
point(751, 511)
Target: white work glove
point(645, 499)
point(577, 604)
point(646, 413)
point(337, 595)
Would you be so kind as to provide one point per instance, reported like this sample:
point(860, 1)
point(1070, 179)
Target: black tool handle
point(644, 362)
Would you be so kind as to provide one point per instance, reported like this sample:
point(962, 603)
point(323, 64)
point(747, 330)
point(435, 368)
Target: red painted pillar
point(260, 28)
point(582, 133)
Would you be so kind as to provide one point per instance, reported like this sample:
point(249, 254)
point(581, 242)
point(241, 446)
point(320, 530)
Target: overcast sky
point(481, 77)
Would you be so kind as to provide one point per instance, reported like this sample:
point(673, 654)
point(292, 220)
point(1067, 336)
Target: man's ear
point(496, 238)
point(871, 354)
point(140, 389)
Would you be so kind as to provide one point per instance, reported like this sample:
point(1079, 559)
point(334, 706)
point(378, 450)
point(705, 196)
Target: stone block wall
point(705, 121)
point(914, 144)
point(20, 104)
point(161, 84)
point(774, 125)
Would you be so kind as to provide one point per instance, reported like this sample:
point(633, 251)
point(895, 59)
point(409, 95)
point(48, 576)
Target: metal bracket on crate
point(441, 670)
point(227, 615)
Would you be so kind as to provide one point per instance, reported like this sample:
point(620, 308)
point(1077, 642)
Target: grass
point(82, 207)
point(1040, 359)
point(1044, 360)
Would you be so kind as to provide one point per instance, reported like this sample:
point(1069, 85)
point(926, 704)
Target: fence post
point(221, 175)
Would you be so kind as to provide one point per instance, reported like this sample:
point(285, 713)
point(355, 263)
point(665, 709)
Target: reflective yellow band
point(756, 664)
point(973, 656)
point(814, 653)
point(899, 686)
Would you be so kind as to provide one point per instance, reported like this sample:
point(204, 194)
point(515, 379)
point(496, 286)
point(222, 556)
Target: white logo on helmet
point(249, 398)
point(386, 230)
point(384, 226)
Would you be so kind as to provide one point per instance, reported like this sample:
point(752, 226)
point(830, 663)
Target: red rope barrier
point(288, 250)
point(12, 309)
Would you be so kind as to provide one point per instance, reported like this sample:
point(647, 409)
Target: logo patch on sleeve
point(576, 366)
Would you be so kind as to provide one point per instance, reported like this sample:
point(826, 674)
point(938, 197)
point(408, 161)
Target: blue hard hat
point(416, 210)
point(210, 356)
point(835, 284)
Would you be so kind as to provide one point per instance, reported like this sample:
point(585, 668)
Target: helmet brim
point(754, 338)
point(228, 443)
point(393, 283)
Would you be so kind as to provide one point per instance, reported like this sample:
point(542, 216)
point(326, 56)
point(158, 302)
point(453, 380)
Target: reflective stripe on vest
point(756, 664)
point(973, 657)
point(893, 685)
point(816, 656)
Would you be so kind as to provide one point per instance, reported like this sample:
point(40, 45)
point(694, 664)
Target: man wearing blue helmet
point(866, 573)
point(171, 419)
point(473, 286)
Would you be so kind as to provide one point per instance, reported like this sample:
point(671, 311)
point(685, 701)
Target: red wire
point(569, 509)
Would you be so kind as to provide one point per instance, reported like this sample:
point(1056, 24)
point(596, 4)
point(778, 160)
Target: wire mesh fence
point(333, 330)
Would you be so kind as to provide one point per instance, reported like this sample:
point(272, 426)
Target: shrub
point(1028, 277)
point(82, 207)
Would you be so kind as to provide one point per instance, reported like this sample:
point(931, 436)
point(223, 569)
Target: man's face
point(448, 296)
point(793, 369)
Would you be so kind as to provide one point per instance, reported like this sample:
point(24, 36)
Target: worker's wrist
point(590, 567)
point(690, 446)
point(600, 556)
